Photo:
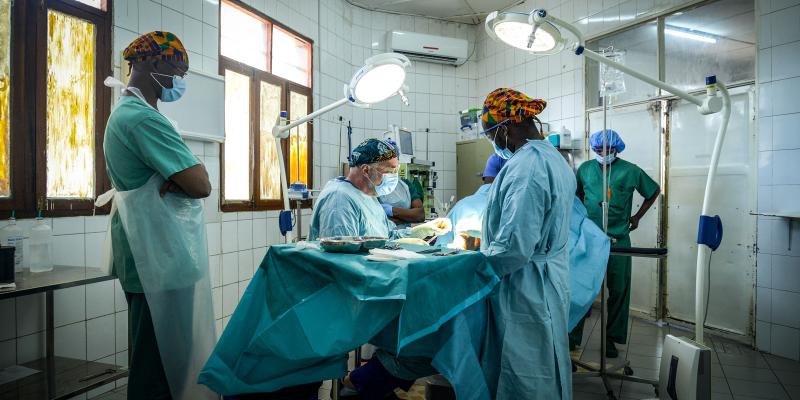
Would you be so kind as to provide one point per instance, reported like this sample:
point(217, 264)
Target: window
point(268, 73)
point(715, 39)
point(50, 158)
point(639, 48)
point(5, 95)
point(712, 38)
point(293, 60)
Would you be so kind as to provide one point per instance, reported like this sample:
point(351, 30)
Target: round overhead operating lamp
point(538, 32)
point(515, 30)
point(381, 77)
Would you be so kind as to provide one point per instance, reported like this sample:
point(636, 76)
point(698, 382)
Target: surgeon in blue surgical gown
point(525, 236)
point(348, 206)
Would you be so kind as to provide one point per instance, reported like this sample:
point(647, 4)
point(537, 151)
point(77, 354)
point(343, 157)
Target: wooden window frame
point(256, 77)
point(28, 131)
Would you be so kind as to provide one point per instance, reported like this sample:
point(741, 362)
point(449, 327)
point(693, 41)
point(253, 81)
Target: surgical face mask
point(502, 153)
point(175, 92)
point(606, 159)
point(387, 185)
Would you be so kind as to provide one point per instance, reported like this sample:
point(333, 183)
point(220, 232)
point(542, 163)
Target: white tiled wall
point(778, 280)
point(91, 321)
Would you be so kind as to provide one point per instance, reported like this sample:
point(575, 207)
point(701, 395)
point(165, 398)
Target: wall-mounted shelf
point(792, 216)
point(779, 214)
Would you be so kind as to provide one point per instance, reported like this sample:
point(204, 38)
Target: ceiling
point(464, 11)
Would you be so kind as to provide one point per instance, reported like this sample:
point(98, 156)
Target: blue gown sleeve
point(339, 221)
point(523, 206)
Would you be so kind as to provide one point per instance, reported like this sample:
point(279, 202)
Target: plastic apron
point(167, 237)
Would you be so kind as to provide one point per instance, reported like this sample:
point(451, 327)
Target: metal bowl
point(373, 242)
point(341, 244)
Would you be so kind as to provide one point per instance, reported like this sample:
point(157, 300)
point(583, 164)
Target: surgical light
point(689, 35)
point(538, 32)
point(378, 83)
point(515, 30)
point(381, 77)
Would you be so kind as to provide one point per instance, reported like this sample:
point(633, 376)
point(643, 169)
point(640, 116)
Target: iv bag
point(612, 80)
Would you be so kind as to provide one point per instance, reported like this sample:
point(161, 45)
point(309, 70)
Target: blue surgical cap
point(613, 140)
point(493, 166)
point(393, 143)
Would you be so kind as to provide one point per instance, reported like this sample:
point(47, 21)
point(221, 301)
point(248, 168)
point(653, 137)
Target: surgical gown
point(525, 233)
point(343, 210)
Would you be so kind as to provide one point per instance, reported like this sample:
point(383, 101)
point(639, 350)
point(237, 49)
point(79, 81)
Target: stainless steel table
point(60, 377)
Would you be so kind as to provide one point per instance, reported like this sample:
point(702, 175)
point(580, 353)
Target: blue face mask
point(175, 92)
point(388, 184)
point(607, 159)
point(505, 154)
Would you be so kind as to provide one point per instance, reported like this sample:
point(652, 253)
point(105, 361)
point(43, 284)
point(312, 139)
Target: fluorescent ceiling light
point(690, 35)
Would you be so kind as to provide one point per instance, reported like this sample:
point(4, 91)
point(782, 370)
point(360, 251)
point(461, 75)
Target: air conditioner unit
point(430, 48)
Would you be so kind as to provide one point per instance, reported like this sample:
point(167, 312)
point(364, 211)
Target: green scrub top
point(413, 190)
point(623, 178)
point(138, 142)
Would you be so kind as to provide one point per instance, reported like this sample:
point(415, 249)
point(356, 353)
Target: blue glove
point(387, 208)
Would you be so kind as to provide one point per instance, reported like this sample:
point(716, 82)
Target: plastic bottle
point(565, 138)
point(39, 247)
point(12, 235)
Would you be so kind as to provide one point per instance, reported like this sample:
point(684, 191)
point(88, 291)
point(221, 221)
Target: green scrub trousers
point(146, 377)
point(624, 178)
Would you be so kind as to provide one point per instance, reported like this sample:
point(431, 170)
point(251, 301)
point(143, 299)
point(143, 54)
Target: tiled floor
point(738, 372)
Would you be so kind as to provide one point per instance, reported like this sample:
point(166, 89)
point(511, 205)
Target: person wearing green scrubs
point(139, 142)
point(623, 179)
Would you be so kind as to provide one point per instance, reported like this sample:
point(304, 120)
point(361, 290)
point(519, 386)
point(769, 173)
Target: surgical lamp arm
point(282, 131)
point(538, 16)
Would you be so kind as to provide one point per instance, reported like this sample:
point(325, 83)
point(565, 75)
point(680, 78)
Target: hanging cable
point(708, 287)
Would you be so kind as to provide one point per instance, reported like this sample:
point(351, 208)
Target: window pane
point(243, 37)
point(298, 149)
point(639, 47)
point(237, 136)
point(5, 88)
point(70, 106)
point(291, 57)
point(94, 3)
point(715, 39)
point(269, 171)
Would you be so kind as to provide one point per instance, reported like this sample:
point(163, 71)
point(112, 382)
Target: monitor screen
point(406, 144)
